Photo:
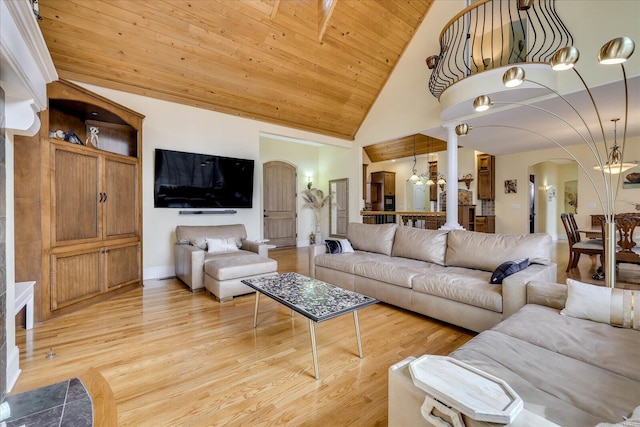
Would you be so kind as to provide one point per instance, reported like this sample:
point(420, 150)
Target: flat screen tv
point(190, 180)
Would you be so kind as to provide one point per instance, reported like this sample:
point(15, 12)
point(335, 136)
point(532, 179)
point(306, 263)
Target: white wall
point(184, 128)
point(305, 158)
point(512, 215)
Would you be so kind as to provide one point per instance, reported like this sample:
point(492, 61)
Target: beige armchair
point(221, 272)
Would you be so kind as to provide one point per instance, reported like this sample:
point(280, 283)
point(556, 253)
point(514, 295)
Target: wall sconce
point(432, 61)
point(309, 181)
point(551, 192)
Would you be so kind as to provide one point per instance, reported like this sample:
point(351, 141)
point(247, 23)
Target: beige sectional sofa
point(568, 370)
point(441, 274)
point(220, 271)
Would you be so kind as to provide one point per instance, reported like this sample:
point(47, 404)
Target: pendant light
point(614, 164)
point(414, 177)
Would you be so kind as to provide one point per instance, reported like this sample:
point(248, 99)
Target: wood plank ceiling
point(403, 147)
point(315, 65)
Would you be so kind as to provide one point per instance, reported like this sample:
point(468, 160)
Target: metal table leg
point(312, 330)
point(355, 320)
point(255, 312)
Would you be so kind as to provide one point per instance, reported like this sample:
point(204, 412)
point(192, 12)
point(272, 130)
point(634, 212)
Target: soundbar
point(226, 211)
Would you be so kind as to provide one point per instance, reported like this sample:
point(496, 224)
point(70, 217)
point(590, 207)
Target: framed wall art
point(510, 186)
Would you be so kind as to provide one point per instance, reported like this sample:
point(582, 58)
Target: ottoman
point(223, 276)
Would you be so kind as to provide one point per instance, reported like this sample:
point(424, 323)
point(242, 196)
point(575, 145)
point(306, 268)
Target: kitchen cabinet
point(486, 177)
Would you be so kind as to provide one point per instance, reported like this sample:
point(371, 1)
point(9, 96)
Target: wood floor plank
point(176, 358)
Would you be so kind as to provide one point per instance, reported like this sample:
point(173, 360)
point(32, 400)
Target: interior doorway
point(533, 203)
point(279, 200)
point(552, 191)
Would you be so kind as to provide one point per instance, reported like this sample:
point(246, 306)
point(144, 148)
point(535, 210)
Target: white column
point(452, 179)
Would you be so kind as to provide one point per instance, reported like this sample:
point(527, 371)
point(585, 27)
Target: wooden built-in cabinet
point(486, 177)
point(467, 217)
point(433, 175)
point(486, 224)
point(79, 207)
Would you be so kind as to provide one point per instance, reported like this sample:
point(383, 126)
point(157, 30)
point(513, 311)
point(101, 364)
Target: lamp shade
point(513, 77)
point(463, 129)
point(616, 51)
point(565, 58)
point(615, 168)
point(482, 103)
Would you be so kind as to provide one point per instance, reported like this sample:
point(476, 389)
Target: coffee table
point(316, 300)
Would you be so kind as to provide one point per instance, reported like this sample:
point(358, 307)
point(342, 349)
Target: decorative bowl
point(634, 177)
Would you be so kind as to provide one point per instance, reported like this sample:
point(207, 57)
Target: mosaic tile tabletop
point(314, 299)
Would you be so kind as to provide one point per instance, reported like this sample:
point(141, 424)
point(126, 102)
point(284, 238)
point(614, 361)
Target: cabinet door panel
point(75, 194)
point(486, 177)
point(74, 277)
point(120, 207)
point(123, 265)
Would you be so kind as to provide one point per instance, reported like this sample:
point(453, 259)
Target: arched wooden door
point(279, 197)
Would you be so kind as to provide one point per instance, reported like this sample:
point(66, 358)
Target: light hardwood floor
point(173, 358)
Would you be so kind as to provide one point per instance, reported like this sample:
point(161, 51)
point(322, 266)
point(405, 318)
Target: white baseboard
point(13, 367)
point(160, 272)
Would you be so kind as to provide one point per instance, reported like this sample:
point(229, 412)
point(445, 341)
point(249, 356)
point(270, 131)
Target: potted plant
point(315, 200)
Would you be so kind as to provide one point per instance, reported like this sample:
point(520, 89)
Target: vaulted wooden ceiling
point(404, 147)
point(316, 65)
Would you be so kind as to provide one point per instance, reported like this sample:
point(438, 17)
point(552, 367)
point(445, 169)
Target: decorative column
point(452, 179)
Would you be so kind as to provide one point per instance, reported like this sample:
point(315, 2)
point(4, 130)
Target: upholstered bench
point(223, 275)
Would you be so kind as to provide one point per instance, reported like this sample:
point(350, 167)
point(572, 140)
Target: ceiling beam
point(403, 147)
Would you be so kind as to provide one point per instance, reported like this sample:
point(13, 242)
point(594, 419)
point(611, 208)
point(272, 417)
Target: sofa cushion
point(486, 251)
point(187, 233)
point(377, 238)
point(421, 244)
point(463, 285)
point(397, 271)
point(598, 344)
point(566, 391)
point(234, 267)
point(346, 262)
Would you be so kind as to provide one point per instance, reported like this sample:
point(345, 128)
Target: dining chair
point(577, 247)
point(627, 250)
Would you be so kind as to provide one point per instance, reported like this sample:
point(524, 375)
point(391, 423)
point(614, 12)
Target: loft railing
point(495, 33)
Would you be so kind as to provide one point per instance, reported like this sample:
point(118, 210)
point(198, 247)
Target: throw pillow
point(508, 268)
point(587, 301)
point(221, 245)
point(338, 246)
point(617, 307)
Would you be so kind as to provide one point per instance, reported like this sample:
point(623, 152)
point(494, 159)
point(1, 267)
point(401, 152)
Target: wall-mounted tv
point(191, 180)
